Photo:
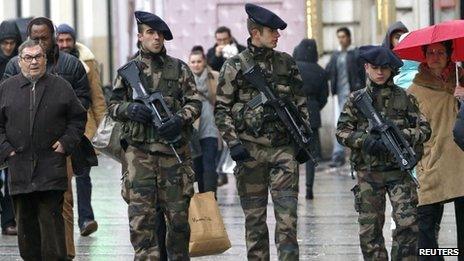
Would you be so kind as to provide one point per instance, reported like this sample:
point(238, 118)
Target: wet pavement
point(327, 225)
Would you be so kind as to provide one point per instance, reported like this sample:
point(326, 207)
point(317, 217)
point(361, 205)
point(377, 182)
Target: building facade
point(108, 26)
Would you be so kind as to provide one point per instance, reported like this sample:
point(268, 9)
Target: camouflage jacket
point(235, 120)
point(392, 103)
point(175, 81)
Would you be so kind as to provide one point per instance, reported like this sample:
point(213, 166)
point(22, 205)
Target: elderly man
point(41, 121)
point(71, 69)
point(66, 40)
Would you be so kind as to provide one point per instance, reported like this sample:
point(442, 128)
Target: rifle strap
point(279, 65)
point(246, 59)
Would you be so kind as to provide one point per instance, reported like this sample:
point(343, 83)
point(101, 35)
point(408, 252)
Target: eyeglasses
point(29, 58)
point(435, 52)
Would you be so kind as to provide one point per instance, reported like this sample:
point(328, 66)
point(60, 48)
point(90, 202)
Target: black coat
point(57, 116)
point(356, 72)
point(216, 62)
point(315, 82)
point(458, 130)
point(64, 65)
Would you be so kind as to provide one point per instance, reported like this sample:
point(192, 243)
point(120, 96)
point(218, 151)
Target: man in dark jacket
point(346, 76)
point(35, 143)
point(59, 63)
point(72, 70)
point(226, 46)
point(10, 39)
point(316, 88)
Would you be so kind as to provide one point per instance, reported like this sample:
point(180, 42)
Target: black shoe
point(222, 180)
point(10, 231)
point(89, 227)
point(309, 194)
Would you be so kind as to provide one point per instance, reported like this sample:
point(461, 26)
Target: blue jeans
point(205, 166)
point(84, 194)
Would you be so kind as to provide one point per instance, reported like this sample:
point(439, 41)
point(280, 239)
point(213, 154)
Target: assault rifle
point(155, 101)
point(286, 111)
point(390, 134)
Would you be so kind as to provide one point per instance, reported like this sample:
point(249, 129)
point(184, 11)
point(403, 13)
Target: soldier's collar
point(383, 89)
point(259, 52)
point(157, 58)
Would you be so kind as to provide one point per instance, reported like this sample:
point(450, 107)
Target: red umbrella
point(410, 47)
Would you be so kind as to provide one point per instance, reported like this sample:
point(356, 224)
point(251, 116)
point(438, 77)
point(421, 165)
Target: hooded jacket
point(397, 26)
point(315, 79)
point(8, 30)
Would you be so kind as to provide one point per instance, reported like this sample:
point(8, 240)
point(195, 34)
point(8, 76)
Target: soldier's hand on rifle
point(139, 113)
point(171, 129)
point(373, 145)
point(239, 153)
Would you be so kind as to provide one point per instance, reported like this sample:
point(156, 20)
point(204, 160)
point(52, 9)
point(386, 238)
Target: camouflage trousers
point(152, 180)
point(274, 169)
point(369, 196)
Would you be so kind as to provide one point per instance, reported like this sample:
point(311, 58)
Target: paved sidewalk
point(327, 225)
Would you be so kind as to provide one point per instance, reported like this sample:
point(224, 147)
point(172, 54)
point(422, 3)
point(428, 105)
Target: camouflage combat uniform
point(154, 175)
point(378, 175)
point(265, 137)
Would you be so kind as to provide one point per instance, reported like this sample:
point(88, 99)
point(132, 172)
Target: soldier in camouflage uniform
point(257, 139)
point(154, 175)
point(377, 171)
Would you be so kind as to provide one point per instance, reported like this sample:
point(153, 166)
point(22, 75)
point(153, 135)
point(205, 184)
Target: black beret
point(154, 22)
point(379, 56)
point(264, 17)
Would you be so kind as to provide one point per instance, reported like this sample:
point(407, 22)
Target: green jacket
point(392, 103)
point(238, 122)
point(175, 80)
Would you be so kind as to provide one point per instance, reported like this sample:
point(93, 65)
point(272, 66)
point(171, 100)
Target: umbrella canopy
point(410, 47)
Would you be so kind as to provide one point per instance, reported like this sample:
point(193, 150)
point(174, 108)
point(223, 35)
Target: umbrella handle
point(458, 64)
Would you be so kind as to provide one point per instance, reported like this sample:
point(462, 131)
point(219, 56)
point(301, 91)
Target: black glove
point(139, 113)
point(171, 129)
point(239, 153)
point(373, 145)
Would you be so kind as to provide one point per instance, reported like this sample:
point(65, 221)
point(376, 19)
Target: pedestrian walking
point(439, 173)
point(35, 143)
point(155, 175)
point(378, 173)
point(71, 69)
point(346, 76)
point(258, 140)
point(66, 40)
point(208, 134)
point(315, 87)
point(10, 39)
